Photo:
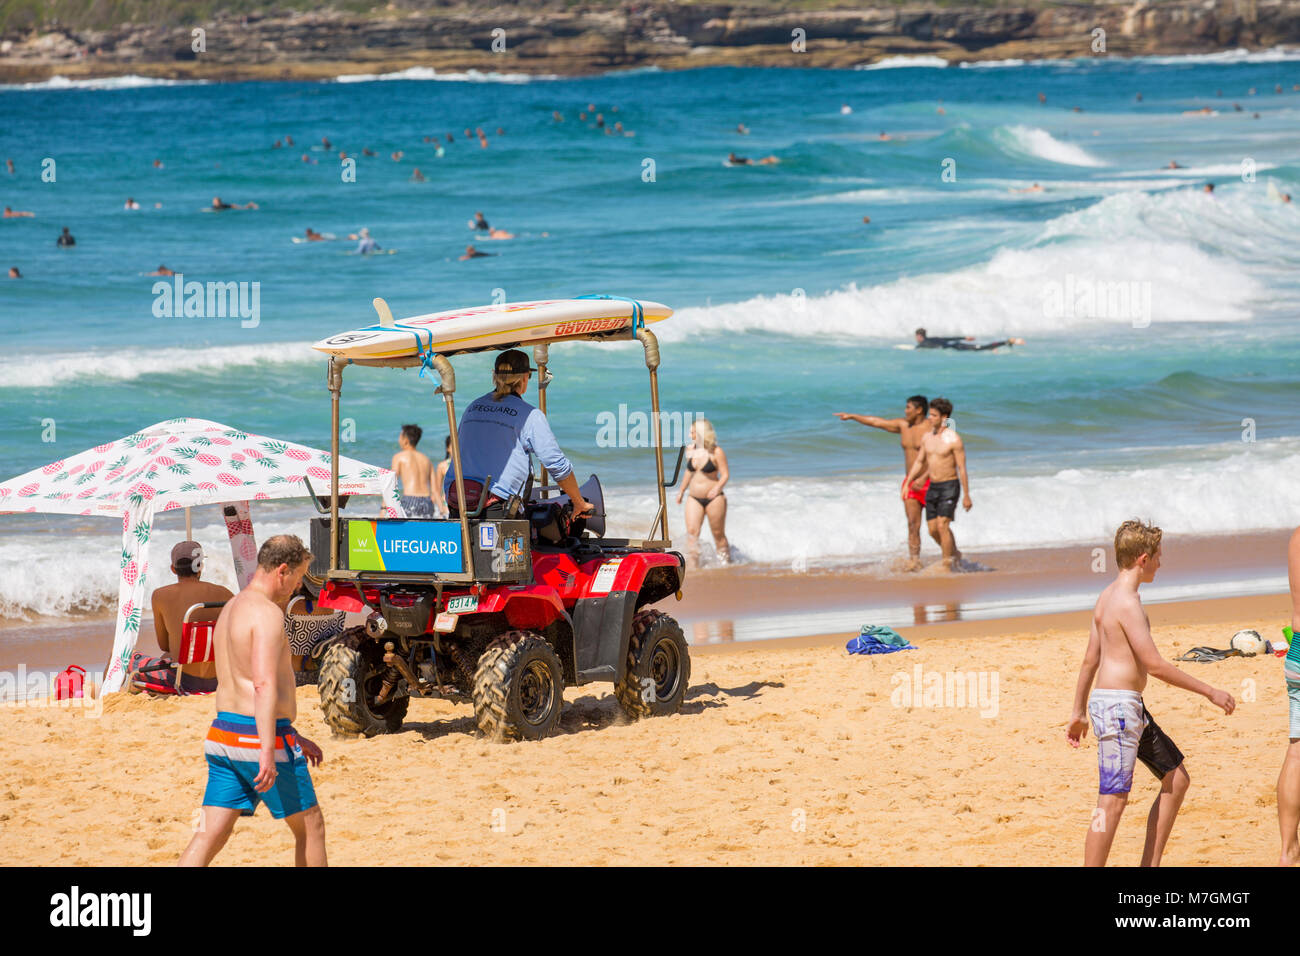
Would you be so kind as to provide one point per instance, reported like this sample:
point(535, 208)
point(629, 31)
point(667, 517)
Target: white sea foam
point(429, 73)
point(906, 62)
point(990, 64)
point(1161, 240)
point(1239, 55)
point(777, 520)
point(1038, 143)
point(56, 574)
point(45, 370)
point(130, 82)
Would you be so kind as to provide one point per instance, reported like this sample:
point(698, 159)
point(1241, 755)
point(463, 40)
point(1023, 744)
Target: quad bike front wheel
point(658, 667)
point(349, 682)
point(518, 688)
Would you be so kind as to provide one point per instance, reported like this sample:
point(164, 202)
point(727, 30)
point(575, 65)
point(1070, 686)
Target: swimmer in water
point(397, 156)
point(480, 223)
point(417, 176)
point(367, 151)
point(161, 271)
point(324, 141)
point(157, 164)
point(14, 273)
point(308, 159)
point(742, 129)
point(472, 253)
point(65, 239)
point(277, 145)
point(1209, 187)
point(1035, 188)
point(556, 116)
point(500, 234)
point(288, 141)
point(1174, 164)
point(130, 204)
point(314, 236)
point(883, 136)
point(959, 343)
point(18, 214)
point(217, 204)
point(9, 165)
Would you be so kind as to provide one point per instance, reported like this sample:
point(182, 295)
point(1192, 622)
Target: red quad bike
point(501, 612)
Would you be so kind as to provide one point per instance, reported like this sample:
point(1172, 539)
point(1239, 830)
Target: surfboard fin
point(385, 313)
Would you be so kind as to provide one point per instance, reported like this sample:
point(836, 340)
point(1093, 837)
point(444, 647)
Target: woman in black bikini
point(705, 475)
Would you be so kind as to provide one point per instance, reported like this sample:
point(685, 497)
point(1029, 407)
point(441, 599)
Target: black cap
point(512, 362)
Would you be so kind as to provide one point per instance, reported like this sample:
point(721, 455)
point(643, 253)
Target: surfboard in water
point(484, 326)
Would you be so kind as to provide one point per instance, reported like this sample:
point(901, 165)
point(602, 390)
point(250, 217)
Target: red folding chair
point(196, 647)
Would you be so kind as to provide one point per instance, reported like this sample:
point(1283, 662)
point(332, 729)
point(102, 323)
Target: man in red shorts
point(911, 429)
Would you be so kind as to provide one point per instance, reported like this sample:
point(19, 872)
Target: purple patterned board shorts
point(1126, 733)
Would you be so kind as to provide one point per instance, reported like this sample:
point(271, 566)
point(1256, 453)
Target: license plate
point(462, 605)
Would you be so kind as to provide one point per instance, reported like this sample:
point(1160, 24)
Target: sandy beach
point(787, 753)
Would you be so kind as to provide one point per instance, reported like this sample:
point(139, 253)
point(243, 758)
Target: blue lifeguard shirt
point(496, 438)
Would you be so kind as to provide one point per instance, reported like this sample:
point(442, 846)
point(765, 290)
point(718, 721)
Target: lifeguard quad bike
point(503, 612)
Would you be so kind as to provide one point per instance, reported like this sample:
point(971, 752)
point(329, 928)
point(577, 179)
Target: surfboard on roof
point(488, 326)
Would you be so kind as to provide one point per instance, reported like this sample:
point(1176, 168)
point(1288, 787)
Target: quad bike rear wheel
point(518, 688)
point(658, 667)
point(349, 682)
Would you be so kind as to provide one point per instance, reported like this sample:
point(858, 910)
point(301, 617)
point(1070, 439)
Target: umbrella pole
point(541, 355)
point(189, 527)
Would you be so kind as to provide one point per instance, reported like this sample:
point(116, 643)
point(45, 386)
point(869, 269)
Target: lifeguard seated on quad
point(498, 432)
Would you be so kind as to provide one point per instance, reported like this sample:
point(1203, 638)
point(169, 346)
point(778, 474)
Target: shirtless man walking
point(911, 429)
point(1121, 656)
point(252, 749)
point(413, 470)
point(943, 454)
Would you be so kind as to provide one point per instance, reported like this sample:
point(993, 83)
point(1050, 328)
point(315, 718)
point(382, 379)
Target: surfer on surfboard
point(218, 205)
point(960, 343)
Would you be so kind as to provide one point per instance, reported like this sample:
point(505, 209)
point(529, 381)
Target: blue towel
point(877, 639)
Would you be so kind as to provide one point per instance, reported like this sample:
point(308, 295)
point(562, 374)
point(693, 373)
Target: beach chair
point(196, 647)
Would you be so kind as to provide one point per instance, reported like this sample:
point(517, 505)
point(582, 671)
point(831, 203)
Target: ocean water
point(1159, 378)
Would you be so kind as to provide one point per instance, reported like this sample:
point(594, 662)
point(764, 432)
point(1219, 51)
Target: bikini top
point(708, 469)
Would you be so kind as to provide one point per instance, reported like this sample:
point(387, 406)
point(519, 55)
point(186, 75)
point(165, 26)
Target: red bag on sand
point(71, 683)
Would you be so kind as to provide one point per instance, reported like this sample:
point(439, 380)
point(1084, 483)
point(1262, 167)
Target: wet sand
point(750, 603)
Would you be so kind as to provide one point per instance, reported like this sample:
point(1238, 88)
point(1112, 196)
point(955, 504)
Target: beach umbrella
point(181, 463)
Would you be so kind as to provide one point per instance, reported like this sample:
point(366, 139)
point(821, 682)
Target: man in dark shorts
point(961, 343)
point(943, 453)
point(1120, 657)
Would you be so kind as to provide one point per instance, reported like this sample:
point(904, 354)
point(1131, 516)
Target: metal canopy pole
point(447, 390)
point(541, 355)
point(651, 345)
point(334, 378)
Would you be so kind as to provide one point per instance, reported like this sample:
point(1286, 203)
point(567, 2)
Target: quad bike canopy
point(447, 552)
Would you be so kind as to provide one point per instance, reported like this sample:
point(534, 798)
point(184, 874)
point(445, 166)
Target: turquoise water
point(789, 307)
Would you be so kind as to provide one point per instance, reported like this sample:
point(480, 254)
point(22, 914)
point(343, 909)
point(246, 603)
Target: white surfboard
point(488, 325)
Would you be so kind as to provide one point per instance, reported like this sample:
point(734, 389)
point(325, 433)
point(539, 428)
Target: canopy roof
point(180, 463)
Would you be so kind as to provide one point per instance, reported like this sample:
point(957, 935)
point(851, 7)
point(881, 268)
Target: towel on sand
point(877, 639)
